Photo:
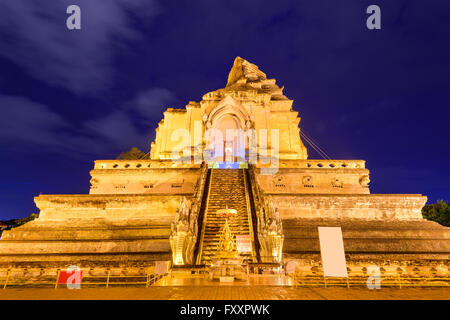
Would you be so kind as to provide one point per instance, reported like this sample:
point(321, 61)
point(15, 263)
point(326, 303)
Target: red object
point(74, 278)
point(244, 243)
point(226, 213)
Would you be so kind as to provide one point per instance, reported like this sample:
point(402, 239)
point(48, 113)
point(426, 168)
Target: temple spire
point(242, 69)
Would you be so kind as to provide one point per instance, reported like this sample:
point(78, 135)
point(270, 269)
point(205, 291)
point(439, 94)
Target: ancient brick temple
point(170, 207)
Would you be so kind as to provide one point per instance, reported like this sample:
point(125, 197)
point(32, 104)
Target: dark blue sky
point(70, 97)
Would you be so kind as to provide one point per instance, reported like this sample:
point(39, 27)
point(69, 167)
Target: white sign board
point(243, 243)
point(332, 251)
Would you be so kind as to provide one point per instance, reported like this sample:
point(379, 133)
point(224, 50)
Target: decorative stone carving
point(364, 181)
point(269, 224)
point(278, 182)
point(184, 230)
point(307, 181)
point(120, 185)
point(184, 234)
point(335, 182)
point(270, 234)
point(94, 182)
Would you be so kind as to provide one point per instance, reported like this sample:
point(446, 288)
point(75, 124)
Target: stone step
point(227, 190)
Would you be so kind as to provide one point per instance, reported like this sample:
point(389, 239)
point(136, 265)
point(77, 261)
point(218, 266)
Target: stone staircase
point(227, 190)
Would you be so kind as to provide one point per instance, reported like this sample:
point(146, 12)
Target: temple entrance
point(228, 143)
point(229, 154)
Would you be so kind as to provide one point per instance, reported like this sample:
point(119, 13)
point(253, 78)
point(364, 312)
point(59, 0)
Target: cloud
point(24, 121)
point(34, 36)
point(117, 130)
point(151, 103)
point(133, 124)
point(27, 126)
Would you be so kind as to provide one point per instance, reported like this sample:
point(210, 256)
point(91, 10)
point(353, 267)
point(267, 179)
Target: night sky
point(68, 97)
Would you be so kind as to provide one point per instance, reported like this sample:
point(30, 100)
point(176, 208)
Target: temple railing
point(250, 214)
point(185, 229)
point(202, 218)
point(361, 279)
point(19, 278)
point(269, 225)
point(257, 195)
point(317, 164)
point(142, 164)
point(164, 164)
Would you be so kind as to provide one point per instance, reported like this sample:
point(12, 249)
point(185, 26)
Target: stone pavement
point(220, 292)
point(202, 280)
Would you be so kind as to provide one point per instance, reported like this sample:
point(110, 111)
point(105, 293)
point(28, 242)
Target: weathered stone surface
point(351, 206)
point(87, 228)
point(249, 100)
point(405, 246)
point(314, 180)
point(143, 177)
point(140, 211)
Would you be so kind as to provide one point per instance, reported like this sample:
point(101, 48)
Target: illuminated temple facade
point(167, 208)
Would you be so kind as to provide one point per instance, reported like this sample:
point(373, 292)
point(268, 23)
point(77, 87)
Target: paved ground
point(202, 280)
point(220, 292)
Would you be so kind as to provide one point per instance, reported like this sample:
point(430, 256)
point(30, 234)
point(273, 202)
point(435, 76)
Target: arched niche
point(229, 106)
point(227, 124)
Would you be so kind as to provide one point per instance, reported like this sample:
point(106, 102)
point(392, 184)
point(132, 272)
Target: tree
point(14, 223)
point(439, 212)
point(18, 222)
point(133, 154)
